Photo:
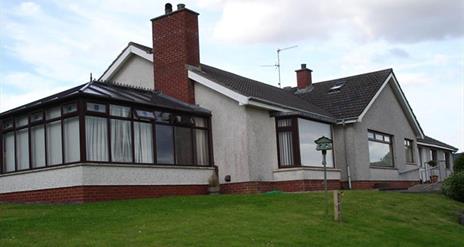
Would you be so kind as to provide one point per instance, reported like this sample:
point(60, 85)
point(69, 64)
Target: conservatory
point(106, 125)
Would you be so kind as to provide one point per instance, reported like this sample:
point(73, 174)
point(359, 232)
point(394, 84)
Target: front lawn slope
point(370, 219)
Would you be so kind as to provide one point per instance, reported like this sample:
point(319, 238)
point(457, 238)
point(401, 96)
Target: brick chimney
point(175, 45)
point(303, 77)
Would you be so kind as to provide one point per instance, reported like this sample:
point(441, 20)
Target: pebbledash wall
point(136, 70)
point(94, 181)
point(385, 115)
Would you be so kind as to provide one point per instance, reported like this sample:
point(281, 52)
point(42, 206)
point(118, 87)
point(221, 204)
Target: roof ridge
point(351, 76)
point(124, 85)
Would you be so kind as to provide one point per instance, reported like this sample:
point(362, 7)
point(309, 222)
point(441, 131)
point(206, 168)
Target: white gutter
point(435, 146)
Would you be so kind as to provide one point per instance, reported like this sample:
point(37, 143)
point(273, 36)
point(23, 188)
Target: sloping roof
point(353, 97)
point(114, 91)
point(260, 91)
point(430, 141)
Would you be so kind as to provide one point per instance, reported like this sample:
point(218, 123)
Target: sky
point(51, 45)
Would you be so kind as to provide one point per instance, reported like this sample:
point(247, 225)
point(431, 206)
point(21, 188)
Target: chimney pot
point(168, 8)
point(303, 66)
point(180, 6)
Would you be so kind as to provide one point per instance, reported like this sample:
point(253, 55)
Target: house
point(159, 122)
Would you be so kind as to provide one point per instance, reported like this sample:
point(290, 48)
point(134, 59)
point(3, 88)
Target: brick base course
point(286, 186)
point(400, 184)
point(81, 194)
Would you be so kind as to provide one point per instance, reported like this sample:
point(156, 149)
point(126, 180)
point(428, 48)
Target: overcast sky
point(49, 46)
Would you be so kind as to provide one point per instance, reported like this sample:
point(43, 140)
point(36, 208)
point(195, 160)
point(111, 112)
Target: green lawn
point(370, 219)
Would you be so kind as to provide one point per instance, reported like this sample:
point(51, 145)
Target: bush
point(459, 164)
point(453, 186)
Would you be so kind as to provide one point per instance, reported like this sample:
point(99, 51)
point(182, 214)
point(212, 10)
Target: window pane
point(96, 107)
point(144, 114)
point(22, 149)
point(163, 117)
point(164, 144)
point(21, 121)
point(69, 108)
point(386, 138)
point(200, 122)
point(7, 124)
point(201, 145)
point(409, 151)
point(119, 111)
point(121, 141)
point(380, 154)
point(38, 146)
point(309, 131)
point(370, 135)
point(285, 148)
point(54, 154)
point(184, 149)
point(37, 117)
point(8, 152)
point(71, 140)
point(96, 138)
point(143, 138)
point(53, 113)
point(378, 137)
point(284, 123)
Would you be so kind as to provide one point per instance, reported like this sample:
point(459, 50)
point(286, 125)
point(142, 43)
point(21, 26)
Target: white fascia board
point(267, 106)
point(241, 99)
point(403, 102)
point(123, 57)
point(435, 146)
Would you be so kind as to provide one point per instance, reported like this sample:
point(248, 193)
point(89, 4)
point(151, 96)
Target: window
point(164, 144)
point(38, 146)
point(447, 160)
point(183, 146)
point(285, 148)
point(96, 138)
point(143, 141)
point(309, 131)
point(94, 107)
point(408, 148)
point(21, 121)
point(22, 149)
point(380, 149)
point(202, 147)
point(144, 114)
point(69, 108)
point(8, 152)
point(54, 145)
point(285, 142)
point(36, 117)
point(53, 113)
point(119, 111)
point(121, 141)
point(71, 140)
point(7, 124)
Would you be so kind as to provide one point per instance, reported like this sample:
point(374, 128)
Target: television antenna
point(277, 65)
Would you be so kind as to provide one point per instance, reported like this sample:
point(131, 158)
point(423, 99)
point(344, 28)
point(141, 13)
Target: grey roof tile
point(430, 140)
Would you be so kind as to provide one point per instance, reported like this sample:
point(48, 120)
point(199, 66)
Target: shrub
point(459, 164)
point(453, 186)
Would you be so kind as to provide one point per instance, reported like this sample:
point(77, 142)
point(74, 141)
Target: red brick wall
point(400, 184)
point(101, 193)
point(303, 78)
point(287, 186)
point(175, 44)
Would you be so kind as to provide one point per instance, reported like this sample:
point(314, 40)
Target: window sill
point(383, 167)
point(411, 163)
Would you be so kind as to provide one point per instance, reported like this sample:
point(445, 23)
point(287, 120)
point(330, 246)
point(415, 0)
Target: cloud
point(407, 21)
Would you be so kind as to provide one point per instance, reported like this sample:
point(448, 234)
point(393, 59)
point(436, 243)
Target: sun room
point(108, 126)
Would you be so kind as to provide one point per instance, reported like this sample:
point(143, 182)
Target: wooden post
point(337, 199)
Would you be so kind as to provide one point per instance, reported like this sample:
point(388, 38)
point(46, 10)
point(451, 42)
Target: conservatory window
point(38, 146)
point(183, 146)
point(71, 140)
point(143, 141)
point(119, 111)
point(54, 152)
point(53, 113)
point(94, 107)
point(8, 152)
point(96, 136)
point(121, 141)
point(22, 149)
point(165, 144)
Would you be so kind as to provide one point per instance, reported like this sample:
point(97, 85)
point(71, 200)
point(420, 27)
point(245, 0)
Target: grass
point(371, 218)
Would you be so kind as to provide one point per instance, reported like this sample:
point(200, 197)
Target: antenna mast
point(277, 65)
